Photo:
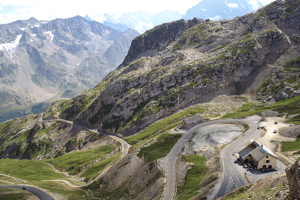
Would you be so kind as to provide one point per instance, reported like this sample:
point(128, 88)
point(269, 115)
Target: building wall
point(263, 161)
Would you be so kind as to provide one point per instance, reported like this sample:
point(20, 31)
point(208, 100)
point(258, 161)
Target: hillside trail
point(16, 179)
point(125, 149)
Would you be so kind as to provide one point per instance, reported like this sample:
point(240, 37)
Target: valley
point(195, 109)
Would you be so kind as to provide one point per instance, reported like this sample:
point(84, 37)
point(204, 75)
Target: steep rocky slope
point(167, 71)
point(42, 61)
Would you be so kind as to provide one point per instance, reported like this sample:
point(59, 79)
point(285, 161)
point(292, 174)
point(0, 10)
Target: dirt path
point(16, 179)
point(124, 144)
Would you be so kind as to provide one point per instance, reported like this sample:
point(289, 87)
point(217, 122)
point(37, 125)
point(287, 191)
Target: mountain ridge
point(43, 58)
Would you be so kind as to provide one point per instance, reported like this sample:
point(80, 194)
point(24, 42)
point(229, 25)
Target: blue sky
point(47, 10)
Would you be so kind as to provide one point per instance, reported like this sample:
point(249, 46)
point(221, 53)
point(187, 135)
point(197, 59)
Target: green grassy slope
point(75, 162)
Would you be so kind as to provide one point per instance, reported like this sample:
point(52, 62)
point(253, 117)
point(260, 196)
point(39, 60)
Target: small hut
point(191, 122)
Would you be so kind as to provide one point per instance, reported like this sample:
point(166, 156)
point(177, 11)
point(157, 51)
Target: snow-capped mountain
point(40, 60)
point(221, 9)
point(109, 21)
point(139, 20)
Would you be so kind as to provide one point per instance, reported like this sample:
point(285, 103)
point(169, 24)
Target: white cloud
point(265, 2)
point(233, 5)
point(254, 4)
point(217, 17)
point(1, 8)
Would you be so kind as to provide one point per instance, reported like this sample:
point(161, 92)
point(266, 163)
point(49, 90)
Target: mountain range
point(220, 9)
point(42, 61)
point(139, 20)
point(143, 21)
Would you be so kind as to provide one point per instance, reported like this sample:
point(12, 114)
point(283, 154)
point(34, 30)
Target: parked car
point(273, 170)
point(275, 130)
point(275, 122)
point(25, 188)
point(291, 125)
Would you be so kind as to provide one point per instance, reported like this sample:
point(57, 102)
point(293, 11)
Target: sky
point(13, 10)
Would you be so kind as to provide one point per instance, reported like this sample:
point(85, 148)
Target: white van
point(275, 130)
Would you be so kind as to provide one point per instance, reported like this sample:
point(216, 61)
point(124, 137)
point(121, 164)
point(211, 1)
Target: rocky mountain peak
point(156, 39)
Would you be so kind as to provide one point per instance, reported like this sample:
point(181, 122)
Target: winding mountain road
point(38, 193)
point(125, 145)
point(125, 149)
point(232, 177)
point(42, 195)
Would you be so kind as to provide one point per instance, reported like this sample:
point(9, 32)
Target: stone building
point(258, 156)
point(191, 122)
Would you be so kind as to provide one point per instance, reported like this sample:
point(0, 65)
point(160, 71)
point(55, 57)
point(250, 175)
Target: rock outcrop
point(292, 132)
point(293, 176)
point(156, 39)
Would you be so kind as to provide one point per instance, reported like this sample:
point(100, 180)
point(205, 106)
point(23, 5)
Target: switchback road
point(232, 177)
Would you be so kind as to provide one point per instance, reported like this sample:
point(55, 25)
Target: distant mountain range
point(139, 20)
point(220, 9)
point(206, 9)
point(43, 61)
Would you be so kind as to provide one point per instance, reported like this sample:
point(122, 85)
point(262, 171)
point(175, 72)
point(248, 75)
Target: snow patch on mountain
point(10, 47)
point(106, 17)
point(50, 34)
point(37, 25)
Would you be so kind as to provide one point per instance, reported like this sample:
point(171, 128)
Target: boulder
point(293, 131)
point(293, 176)
point(280, 96)
point(295, 94)
point(269, 113)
